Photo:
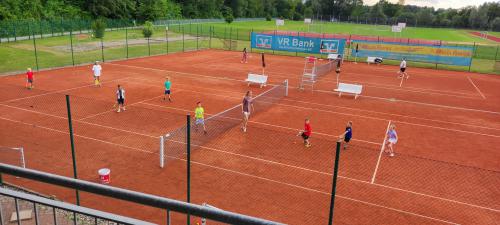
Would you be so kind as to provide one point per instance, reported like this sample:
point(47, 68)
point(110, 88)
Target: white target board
point(280, 22)
point(308, 20)
point(403, 25)
point(397, 29)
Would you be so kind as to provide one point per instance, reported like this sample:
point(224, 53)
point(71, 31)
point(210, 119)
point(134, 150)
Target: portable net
point(173, 144)
point(12, 156)
point(324, 69)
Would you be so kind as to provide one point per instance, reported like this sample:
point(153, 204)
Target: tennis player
point(199, 115)
point(168, 86)
point(339, 63)
point(120, 97)
point(392, 139)
point(306, 133)
point(402, 69)
point(29, 79)
point(347, 135)
point(97, 73)
point(244, 58)
point(247, 108)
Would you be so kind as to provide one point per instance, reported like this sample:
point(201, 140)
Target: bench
point(334, 56)
point(257, 79)
point(349, 88)
point(371, 59)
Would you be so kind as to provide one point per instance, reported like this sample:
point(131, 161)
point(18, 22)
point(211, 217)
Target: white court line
point(315, 191)
point(112, 110)
point(380, 98)
point(476, 87)
point(259, 159)
point(368, 117)
point(420, 103)
point(254, 122)
point(388, 87)
point(55, 92)
point(326, 105)
point(77, 135)
point(380, 154)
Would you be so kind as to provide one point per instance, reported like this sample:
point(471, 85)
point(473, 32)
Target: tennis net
point(324, 69)
point(173, 144)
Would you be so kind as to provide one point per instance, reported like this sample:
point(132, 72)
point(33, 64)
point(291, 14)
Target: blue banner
point(298, 44)
point(450, 55)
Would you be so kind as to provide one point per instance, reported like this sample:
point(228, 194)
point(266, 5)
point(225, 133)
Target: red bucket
point(105, 175)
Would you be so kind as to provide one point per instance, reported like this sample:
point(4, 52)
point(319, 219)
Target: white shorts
point(246, 114)
point(393, 140)
point(200, 121)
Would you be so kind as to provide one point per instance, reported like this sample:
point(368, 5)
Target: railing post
point(334, 183)
point(188, 161)
point(73, 155)
point(183, 47)
point(166, 36)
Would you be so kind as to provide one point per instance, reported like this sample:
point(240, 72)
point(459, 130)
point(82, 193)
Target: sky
point(438, 3)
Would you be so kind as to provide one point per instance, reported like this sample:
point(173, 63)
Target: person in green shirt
point(199, 115)
point(168, 86)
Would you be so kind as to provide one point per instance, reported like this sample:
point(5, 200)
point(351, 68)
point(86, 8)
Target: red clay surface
point(489, 37)
point(446, 171)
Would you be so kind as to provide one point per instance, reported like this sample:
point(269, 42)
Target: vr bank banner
point(297, 44)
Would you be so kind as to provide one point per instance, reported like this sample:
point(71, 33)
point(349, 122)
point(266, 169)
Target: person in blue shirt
point(168, 86)
point(347, 135)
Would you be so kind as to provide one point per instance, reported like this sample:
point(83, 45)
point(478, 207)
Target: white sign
point(307, 20)
point(397, 29)
point(403, 25)
point(280, 22)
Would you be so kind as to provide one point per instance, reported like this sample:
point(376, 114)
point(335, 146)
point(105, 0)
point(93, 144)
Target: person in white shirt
point(120, 96)
point(402, 69)
point(97, 73)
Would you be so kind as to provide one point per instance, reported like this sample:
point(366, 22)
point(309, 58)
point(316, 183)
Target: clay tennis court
point(446, 169)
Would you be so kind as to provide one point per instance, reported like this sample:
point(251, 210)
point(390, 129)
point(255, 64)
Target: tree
point(308, 12)
point(154, 9)
point(98, 28)
point(425, 17)
point(147, 29)
point(495, 24)
point(228, 14)
point(377, 14)
point(113, 9)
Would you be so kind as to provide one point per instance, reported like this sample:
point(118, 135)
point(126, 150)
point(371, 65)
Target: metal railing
point(136, 197)
point(97, 216)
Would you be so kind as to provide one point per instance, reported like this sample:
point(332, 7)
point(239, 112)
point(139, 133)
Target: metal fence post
point(188, 162)
point(71, 42)
point(197, 36)
point(149, 48)
point(334, 182)
point(73, 155)
point(36, 53)
point(496, 54)
point(230, 38)
point(102, 49)
point(166, 37)
point(210, 39)
point(126, 40)
point(183, 47)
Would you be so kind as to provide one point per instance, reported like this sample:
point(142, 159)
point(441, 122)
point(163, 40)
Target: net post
point(70, 125)
point(286, 87)
point(334, 182)
point(162, 152)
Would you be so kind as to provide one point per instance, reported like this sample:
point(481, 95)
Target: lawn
point(56, 51)
point(444, 34)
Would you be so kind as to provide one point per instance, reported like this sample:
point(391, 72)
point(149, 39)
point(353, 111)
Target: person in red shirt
point(29, 80)
point(306, 133)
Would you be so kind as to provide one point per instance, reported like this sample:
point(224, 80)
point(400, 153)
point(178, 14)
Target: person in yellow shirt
point(199, 115)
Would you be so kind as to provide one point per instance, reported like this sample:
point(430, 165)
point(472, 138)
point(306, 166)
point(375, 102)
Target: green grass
point(17, 56)
point(444, 34)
